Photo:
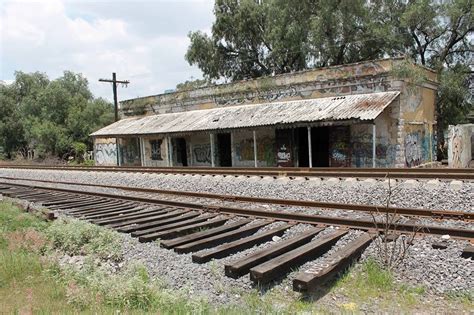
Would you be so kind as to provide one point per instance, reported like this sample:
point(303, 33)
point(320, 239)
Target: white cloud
point(98, 38)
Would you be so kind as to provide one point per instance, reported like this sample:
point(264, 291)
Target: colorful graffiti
point(202, 153)
point(106, 153)
point(265, 150)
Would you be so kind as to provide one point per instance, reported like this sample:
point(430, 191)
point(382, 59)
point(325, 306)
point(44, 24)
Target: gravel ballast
point(438, 270)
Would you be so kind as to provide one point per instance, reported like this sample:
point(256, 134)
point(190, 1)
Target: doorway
point(224, 150)
point(181, 154)
point(302, 143)
point(320, 146)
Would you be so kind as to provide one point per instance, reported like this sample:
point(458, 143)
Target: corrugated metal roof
point(360, 106)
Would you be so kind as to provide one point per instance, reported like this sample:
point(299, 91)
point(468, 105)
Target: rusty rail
point(437, 214)
point(276, 215)
point(417, 173)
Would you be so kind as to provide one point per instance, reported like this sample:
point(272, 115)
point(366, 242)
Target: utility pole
point(114, 82)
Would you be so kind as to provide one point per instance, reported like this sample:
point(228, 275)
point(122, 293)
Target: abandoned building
point(357, 115)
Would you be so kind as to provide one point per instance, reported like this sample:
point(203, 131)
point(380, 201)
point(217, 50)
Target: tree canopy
point(51, 117)
point(253, 38)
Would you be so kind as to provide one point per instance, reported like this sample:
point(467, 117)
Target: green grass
point(31, 281)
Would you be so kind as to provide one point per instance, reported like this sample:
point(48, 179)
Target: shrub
point(77, 237)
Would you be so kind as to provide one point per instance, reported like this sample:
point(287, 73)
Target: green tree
point(50, 117)
point(253, 38)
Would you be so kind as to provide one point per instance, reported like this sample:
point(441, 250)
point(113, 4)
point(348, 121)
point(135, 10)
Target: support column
point(117, 148)
point(373, 145)
point(213, 162)
point(142, 151)
point(255, 148)
point(310, 150)
point(170, 151)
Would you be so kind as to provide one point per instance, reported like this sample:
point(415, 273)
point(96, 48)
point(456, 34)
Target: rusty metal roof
point(360, 106)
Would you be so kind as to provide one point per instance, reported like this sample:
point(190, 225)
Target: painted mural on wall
point(202, 153)
point(265, 150)
point(106, 153)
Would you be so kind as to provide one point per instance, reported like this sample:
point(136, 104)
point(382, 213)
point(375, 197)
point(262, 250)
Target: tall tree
point(50, 117)
point(252, 38)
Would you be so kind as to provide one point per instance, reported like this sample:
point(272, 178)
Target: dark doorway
point(224, 149)
point(320, 146)
point(181, 154)
point(302, 141)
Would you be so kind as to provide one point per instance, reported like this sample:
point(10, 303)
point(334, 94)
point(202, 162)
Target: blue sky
point(143, 41)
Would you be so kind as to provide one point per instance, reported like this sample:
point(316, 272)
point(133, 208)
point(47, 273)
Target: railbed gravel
point(437, 270)
point(414, 194)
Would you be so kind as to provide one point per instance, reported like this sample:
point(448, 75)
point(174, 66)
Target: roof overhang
point(363, 107)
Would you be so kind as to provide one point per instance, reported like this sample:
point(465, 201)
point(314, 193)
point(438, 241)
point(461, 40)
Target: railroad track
point(411, 173)
point(189, 228)
point(435, 214)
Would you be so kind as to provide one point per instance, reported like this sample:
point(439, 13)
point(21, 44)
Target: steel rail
point(279, 215)
point(438, 214)
point(421, 173)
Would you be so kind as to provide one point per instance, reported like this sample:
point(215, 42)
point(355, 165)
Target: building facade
point(356, 115)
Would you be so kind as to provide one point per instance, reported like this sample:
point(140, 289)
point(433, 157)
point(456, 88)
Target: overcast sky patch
point(143, 41)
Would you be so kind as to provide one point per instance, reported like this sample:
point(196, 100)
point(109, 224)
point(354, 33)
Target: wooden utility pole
point(114, 82)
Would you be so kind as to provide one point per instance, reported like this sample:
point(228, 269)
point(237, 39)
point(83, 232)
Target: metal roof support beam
point(255, 148)
point(213, 162)
point(310, 151)
point(373, 145)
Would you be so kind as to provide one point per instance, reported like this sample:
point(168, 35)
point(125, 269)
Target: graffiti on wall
point(303, 90)
point(361, 145)
point(413, 152)
point(106, 153)
point(202, 153)
point(265, 150)
point(283, 154)
point(130, 151)
point(339, 146)
point(456, 147)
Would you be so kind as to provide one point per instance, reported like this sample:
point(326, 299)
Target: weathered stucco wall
point(404, 131)
point(460, 145)
point(105, 151)
point(200, 149)
point(242, 148)
point(417, 125)
point(155, 151)
point(364, 77)
point(130, 152)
